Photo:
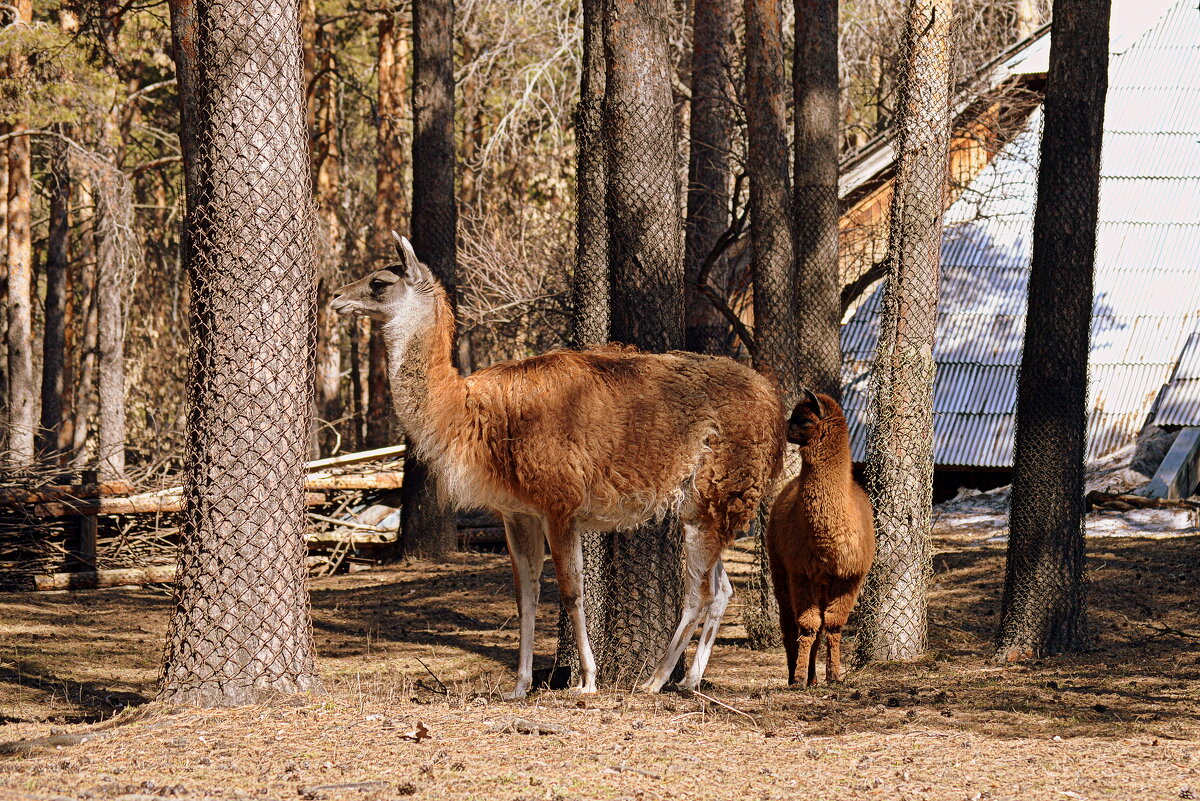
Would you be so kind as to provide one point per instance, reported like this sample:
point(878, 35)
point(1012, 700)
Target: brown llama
point(602, 439)
point(820, 538)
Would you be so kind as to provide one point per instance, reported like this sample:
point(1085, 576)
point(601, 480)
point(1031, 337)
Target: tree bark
point(709, 174)
point(639, 576)
point(54, 356)
point(22, 387)
point(241, 630)
point(818, 283)
point(83, 404)
point(894, 623)
point(426, 527)
point(1044, 607)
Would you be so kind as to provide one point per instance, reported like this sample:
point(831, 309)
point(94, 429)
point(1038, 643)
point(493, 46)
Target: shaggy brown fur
point(602, 439)
point(820, 538)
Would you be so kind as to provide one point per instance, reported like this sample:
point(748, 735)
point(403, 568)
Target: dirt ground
point(432, 646)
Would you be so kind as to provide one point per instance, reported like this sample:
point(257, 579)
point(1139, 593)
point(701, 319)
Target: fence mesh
point(241, 626)
point(900, 446)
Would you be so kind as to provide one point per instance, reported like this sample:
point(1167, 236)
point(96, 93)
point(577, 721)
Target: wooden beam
point(155, 574)
point(133, 505)
point(1179, 472)
point(356, 458)
point(63, 492)
point(393, 479)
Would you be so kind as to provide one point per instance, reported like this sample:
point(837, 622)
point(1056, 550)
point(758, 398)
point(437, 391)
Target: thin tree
point(709, 172)
point(57, 303)
point(114, 250)
point(815, 199)
point(590, 315)
point(894, 622)
point(639, 578)
point(1044, 607)
point(22, 386)
point(772, 263)
point(427, 527)
point(241, 628)
point(390, 207)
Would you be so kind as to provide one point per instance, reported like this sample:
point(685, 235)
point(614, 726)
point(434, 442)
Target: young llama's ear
point(411, 267)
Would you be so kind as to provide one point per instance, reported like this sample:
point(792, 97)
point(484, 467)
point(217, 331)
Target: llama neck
point(826, 475)
point(427, 391)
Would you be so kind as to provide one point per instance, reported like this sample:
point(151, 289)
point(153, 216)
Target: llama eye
point(378, 286)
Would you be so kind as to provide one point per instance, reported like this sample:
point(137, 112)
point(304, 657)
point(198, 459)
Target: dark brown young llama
point(820, 538)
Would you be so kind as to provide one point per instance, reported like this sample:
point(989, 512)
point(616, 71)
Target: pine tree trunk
point(241, 630)
point(772, 265)
point(589, 299)
point(54, 356)
point(22, 386)
point(3, 279)
point(589, 287)
point(711, 132)
point(639, 579)
point(427, 528)
point(114, 217)
point(894, 622)
point(818, 284)
point(1044, 609)
point(83, 405)
point(390, 210)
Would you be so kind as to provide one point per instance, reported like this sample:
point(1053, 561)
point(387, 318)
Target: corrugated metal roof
point(1180, 405)
point(1147, 283)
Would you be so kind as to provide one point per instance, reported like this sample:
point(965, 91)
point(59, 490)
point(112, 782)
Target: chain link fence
point(241, 626)
point(900, 446)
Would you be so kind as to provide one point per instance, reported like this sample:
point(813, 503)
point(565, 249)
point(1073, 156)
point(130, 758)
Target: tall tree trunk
point(428, 528)
point(589, 283)
point(241, 629)
point(900, 448)
point(589, 299)
point(390, 210)
point(22, 387)
point(83, 405)
point(818, 284)
point(772, 265)
point(711, 130)
point(114, 219)
point(4, 279)
point(1044, 609)
point(327, 158)
point(639, 578)
point(54, 356)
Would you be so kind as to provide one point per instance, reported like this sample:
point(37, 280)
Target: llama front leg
point(722, 591)
point(566, 548)
point(526, 550)
point(699, 560)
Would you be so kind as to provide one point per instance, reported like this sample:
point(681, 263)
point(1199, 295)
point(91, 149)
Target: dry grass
point(1120, 722)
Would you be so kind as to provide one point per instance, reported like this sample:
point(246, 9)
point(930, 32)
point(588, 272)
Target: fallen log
point(63, 492)
point(133, 505)
point(155, 574)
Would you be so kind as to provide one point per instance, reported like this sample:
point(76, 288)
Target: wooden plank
point(64, 492)
point(392, 479)
point(1176, 477)
point(156, 574)
point(356, 458)
point(133, 505)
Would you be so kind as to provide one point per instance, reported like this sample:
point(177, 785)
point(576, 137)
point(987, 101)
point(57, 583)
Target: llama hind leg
point(722, 591)
point(526, 550)
point(566, 548)
point(836, 615)
point(699, 558)
point(807, 615)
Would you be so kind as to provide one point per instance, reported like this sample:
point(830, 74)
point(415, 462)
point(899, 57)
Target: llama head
point(813, 418)
point(406, 290)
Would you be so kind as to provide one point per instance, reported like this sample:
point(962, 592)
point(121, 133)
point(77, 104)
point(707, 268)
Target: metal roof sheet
point(1147, 281)
point(1180, 405)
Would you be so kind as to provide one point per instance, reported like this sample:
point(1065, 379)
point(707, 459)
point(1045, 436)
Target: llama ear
point(404, 249)
point(814, 403)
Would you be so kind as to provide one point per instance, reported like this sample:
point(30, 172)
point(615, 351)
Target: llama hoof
point(583, 689)
point(515, 694)
point(652, 686)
